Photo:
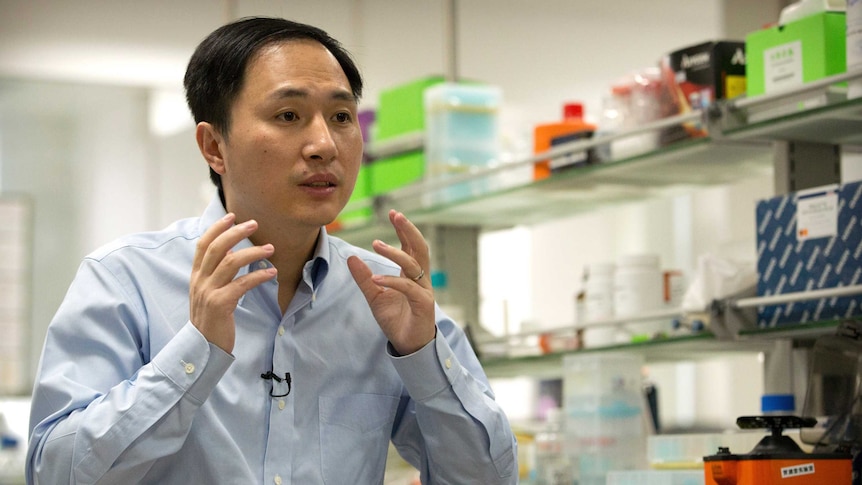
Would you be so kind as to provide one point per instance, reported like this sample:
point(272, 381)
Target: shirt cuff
point(193, 363)
point(429, 370)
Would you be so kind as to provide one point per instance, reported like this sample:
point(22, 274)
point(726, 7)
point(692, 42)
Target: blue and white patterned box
point(810, 240)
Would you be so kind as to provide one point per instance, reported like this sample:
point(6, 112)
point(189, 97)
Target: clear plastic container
point(462, 135)
point(552, 463)
point(605, 418)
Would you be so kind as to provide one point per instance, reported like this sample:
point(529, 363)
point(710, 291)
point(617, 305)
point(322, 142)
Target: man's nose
point(320, 143)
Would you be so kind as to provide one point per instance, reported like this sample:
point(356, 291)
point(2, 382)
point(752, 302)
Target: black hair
point(216, 71)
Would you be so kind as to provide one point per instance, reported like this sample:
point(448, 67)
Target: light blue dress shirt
point(128, 391)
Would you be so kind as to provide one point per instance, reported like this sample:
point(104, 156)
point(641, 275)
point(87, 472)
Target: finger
point(363, 276)
point(410, 268)
point(412, 242)
point(234, 260)
point(415, 291)
point(209, 236)
point(237, 287)
point(221, 246)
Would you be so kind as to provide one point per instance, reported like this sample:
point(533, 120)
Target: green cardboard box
point(397, 171)
point(361, 191)
point(400, 109)
point(798, 52)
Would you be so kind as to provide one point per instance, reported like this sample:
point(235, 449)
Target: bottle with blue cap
point(777, 404)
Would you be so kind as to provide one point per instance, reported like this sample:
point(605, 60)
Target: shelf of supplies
point(495, 200)
point(692, 347)
point(739, 147)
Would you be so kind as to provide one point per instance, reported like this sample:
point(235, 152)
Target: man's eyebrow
point(287, 92)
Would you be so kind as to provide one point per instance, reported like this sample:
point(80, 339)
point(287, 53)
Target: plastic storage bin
point(462, 135)
point(605, 423)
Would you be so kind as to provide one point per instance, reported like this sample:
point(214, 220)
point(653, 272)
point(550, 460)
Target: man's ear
point(210, 142)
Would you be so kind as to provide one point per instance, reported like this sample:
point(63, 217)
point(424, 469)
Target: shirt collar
point(319, 264)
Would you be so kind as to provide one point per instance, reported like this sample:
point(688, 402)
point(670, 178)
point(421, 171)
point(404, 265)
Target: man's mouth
point(320, 184)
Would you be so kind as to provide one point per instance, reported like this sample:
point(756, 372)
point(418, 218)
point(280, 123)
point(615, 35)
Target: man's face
point(294, 146)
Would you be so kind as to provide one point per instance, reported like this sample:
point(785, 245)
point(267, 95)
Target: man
point(248, 345)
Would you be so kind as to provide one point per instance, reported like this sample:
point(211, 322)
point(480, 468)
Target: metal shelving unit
point(747, 137)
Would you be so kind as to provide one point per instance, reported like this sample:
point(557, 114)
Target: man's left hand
point(403, 305)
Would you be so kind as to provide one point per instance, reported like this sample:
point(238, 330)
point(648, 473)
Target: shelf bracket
point(727, 319)
point(803, 165)
point(455, 251)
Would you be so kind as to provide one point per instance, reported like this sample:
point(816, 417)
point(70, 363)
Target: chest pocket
point(354, 437)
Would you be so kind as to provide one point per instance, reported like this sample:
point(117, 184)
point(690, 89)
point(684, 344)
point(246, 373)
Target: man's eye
point(342, 117)
point(288, 116)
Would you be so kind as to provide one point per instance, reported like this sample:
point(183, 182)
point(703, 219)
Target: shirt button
point(277, 480)
point(280, 331)
point(261, 264)
point(281, 404)
point(189, 368)
point(448, 363)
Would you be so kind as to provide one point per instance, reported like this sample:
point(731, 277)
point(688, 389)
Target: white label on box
point(797, 470)
point(817, 216)
point(782, 66)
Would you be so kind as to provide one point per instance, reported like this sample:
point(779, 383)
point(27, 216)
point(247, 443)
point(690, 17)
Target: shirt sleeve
point(102, 411)
point(453, 430)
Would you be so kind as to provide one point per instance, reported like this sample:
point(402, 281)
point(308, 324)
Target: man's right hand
point(214, 290)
